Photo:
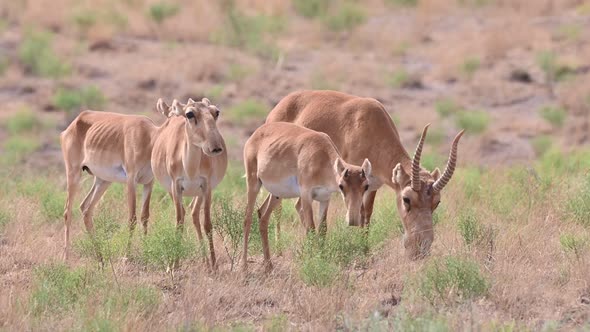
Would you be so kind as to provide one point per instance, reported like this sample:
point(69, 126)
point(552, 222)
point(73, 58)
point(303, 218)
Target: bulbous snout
point(353, 213)
point(417, 244)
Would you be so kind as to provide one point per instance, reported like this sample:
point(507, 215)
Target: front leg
point(145, 204)
point(176, 194)
point(307, 210)
point(208, 225)
point(323, 228)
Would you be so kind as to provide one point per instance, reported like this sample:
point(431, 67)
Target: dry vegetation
point(511, 238)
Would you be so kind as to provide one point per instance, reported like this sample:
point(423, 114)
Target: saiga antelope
point(189, 158)
point(113, 148)
point(361, 128)
point(292, 161)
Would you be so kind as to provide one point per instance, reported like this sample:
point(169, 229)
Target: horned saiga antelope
point(113, 148)
point(189, 158)
point(361, 128)
point(293, 161)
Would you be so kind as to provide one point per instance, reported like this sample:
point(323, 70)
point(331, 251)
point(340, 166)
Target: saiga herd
point(314, 143)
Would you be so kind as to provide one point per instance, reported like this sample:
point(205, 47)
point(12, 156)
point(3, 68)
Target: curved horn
point(416, 184)
point(448, 173)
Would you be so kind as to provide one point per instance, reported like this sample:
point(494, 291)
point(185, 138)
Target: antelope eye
point(406, 200)
point(190, 115)
point(341, 187)
point(216, 114)
point(366, 187)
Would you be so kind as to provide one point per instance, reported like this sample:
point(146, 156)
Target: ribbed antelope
point(189, 158)
point(361, 128)
point(113, 148)
point(292, 161)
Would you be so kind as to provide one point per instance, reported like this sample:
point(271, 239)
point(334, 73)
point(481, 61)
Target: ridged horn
point(450, 168)
point(416, 184)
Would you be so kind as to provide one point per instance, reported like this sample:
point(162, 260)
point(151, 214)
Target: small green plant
point(109, 241)
point(348, 16)
point(469, 227)
point(572, 243)
point(470, 66)
point(554, 72)
point(215, 92)
point(49, 196)
point(71, 100)
point(311, 8)
point(247, 110)
point(406, 3)
point(541, 144)
point(161, 11)
point(446, 107)
point(571, 32)
point(85, 20)
point(399, 78)
point(554, 115)
point(474, 122)
point(578, 206)
point(23, 121)
point(5, 218)
point(229, 219)
point(164, 247)
point(452, 279)
point(16, 148)
point(316, 270)
point(38, 56)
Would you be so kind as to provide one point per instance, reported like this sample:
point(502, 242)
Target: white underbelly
point(115, 173)
point(193, 187)
point(285, 188)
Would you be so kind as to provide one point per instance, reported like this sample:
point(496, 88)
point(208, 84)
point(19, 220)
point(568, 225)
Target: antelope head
point(200, 123)
point(353, 182)
point(418, 195)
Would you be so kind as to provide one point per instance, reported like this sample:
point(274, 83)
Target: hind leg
point(145, 205)
point(73, 186)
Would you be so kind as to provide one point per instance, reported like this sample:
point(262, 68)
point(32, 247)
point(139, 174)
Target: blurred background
point(513, 73)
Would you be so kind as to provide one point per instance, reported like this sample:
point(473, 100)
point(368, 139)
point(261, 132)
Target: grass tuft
point(474, 122)
point(348, 16)
point(247, 110)
point(554, 115)
point(37, 55)
point(71, 100)
point(23, 121)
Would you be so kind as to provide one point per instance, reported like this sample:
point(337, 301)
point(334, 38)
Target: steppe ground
point(511, 235)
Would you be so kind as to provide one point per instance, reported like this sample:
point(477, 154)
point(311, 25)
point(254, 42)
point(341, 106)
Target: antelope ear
point(339, 166)
point(399, 176)
point(162, 107)
point(435, 174)
point(190, 101)
point(367, 168)
point(206, 101)
point(176, 108)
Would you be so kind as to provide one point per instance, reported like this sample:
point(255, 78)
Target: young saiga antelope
point(292, 161)
point(189, 158)
point(113, 148)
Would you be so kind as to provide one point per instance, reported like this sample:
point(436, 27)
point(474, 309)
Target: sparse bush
point(578, 205)
point(348, 16)
point(110, 238)
point(311, 8)
point(71, 100)
point(85, 20)
point(469, 226)
point(161, 11)
point(215, 92)
point(572, 243)
point(554, 72)
point(471, 179)
point(164, 246)
point(554, 115)
point(402, 79)
point(435, 136)
point(474, 122)
point(18, 147)
point(251, 32)
point(24, 120)
point(37, 54)
point(50, 197)
point(452, 279)
point(316, 270)
point(229, 224)
point(446, 107)
point(247, 110)
point(470, 66)
point(541, 144)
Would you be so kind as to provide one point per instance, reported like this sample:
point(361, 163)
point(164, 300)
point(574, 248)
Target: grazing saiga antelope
point(113, 148)
point(189, 158)
point(361, 129)
point(292, 161)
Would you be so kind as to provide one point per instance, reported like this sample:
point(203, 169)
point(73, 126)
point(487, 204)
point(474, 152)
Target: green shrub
point(215, 92)
point(348, 16)
point(316, 270)
point(554, 115)
point(37, 54)
point(471, 180)
point(311, 8)
point(578, 206)
point(432, 161)
point(469, 226)
point(229, 224)
point(474, 122)
point(50, 197)
point(5, 219)
point(446, 107)
point(247, 110)
point(251, 32)
point(57, 288)
point(572, 243)
point(85, 20)
point(398, 79)
point(74, 99)
point(407, 3)
point(451, 279)
point(470, 66)
point(435, 136)
point(110, 240)
point(161, 11)
point(554, 72)
point(541, 144)
point(16, 148)
point(24, 120)
point(164, 246)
